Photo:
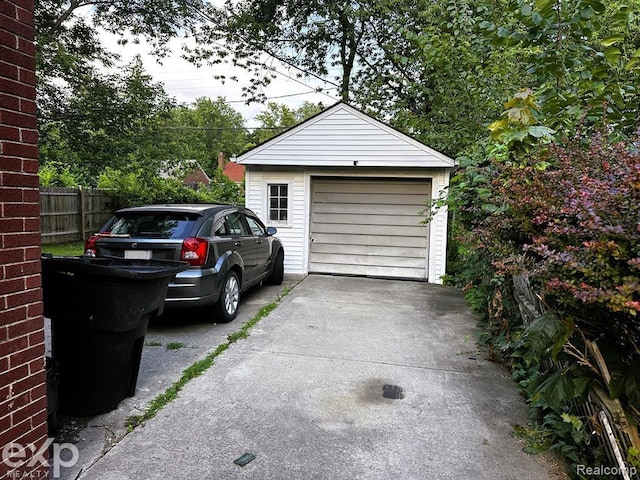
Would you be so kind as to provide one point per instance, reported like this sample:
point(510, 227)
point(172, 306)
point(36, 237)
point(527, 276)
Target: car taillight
point(91, 246)
point(194, 251)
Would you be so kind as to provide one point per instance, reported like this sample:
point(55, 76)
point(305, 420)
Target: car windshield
point(153, 225)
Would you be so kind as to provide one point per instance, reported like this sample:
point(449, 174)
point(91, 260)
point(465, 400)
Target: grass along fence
point(72, 214)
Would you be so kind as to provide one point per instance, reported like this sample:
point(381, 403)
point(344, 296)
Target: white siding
point(340, 136)
point(438, 230)
point(294, 236)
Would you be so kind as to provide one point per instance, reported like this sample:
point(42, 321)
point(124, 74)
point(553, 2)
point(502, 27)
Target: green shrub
point(57, 174)
point(567, 216)
point(139, 188)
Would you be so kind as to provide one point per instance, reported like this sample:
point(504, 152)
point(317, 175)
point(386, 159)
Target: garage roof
point(342, 136)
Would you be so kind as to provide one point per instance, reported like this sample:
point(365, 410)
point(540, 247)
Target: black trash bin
point(52, 395)
point(99, 310)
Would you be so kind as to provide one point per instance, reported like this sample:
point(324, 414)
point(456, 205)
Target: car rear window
point(153, 225)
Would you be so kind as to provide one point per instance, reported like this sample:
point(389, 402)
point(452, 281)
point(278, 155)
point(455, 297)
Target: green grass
point(72, 249)
point(201, 366)
point(175, 345)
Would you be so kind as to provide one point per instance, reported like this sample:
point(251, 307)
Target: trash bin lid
point(124, 268)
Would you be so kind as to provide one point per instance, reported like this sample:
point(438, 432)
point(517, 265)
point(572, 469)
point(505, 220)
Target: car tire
point(226, 308)
point(277, 274)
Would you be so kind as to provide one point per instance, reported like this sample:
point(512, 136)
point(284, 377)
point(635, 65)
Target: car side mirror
point(272, 231)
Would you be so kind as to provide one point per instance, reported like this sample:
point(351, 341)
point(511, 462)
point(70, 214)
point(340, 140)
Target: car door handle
point(259, 240)
point(237, 244)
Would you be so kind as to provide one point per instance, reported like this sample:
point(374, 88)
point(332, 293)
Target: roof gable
point(344, 136)
point(189, 171)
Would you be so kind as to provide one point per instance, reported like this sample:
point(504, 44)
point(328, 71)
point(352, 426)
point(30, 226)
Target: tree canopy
point(106, 120)
point(68, 42)
point(279, 117)
point(205, 128)
point(582, 59)
point(439, 71)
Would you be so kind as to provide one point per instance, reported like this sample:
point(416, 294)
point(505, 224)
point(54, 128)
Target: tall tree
point(583, 58)
point(279, 117)
point(321, 38)
point(416, 64)
point(68, 43)
point(107, 120)
point(435, 75)
point(206, 128)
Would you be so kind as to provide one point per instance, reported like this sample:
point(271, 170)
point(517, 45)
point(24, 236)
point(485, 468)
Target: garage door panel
point(369, 227)
point(367, 219)
point(379, 239)
point(366, 187)
point(373, 260)
point(397, 231)
point(393, 272)
point(376, 250)
point(360, 198)
point(368, 208)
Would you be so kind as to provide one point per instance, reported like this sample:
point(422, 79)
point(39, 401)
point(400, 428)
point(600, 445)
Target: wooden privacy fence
point(607, 418)
point(72, 214)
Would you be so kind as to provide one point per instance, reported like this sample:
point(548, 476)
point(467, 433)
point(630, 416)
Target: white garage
point(347, 194)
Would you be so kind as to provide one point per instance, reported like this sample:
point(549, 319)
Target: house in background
point(346, 193)
point(190, 172)
point(193, 175)
point(197, 176)
point(232, 170)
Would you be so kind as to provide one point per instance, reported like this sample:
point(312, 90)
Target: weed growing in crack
point(200, 366)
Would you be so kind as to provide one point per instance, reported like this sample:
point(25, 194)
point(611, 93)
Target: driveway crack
point(379, 362)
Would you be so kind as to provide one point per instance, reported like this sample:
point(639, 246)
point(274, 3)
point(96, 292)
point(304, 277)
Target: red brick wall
point(23, 407)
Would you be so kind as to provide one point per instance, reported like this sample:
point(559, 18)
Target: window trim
point(267, 202)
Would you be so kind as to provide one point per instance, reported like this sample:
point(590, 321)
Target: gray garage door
point(369, 227)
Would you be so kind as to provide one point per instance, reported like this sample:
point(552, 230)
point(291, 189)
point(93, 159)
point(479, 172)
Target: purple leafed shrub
point(571, 221)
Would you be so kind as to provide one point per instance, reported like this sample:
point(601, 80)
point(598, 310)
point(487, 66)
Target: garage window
point(278, 201)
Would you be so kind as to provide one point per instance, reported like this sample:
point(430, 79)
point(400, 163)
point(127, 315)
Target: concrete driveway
point(304, 395)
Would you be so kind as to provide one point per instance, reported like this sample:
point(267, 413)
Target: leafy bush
point(139, 187)
point(574, 228)
point(567, 216)
point(58, 174)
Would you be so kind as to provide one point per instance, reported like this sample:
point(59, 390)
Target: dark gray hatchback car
point(228, 248)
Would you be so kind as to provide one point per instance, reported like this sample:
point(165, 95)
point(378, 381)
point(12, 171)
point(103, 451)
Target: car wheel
point(226, 308)
point(277, 274)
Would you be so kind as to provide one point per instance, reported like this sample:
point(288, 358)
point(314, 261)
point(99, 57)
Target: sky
point(185, 82)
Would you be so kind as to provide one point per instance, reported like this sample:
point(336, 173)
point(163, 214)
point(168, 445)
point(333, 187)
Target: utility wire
point(275, 70)
point(286, 96)
point(271, 54)
point(223, 129)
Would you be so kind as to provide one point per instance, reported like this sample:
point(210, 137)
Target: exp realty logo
point(24, 461)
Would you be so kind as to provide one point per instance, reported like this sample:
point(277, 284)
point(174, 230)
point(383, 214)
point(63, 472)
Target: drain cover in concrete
point(244, 459)
point(392, 391)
